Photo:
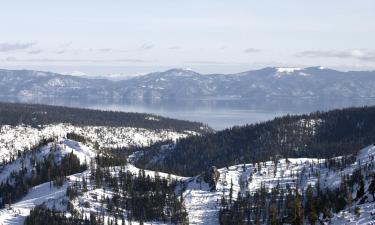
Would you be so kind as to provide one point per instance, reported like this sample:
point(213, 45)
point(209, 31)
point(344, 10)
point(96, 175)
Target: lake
point(217, 113)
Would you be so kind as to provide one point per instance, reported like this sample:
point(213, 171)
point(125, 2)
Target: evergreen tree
point(310, 206)
point(361, 189)
point(371, 188)
point(273, 215)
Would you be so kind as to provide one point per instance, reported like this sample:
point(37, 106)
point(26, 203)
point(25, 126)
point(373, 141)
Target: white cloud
point(174, 48)
point(34, 52)
point(10, 59)
point(251, 50)
point(146, 47)
point(361, 54)
point(9, 47)
point(128, 60)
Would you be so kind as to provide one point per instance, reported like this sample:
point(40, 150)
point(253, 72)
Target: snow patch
point(287, 69)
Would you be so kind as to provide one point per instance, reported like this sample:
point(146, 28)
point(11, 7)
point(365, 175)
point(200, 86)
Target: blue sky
point(105, 37)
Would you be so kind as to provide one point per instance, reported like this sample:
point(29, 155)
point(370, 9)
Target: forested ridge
point(18, 184)
point(319, 134)
point(312, 204)
point(35, 114)
point(134, 197)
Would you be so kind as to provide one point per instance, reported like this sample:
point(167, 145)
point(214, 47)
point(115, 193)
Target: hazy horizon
point(110, 37)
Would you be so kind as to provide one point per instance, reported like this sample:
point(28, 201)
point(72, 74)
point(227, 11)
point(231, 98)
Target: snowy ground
point(56, 197)
point(93, 196)
point(202, 204)
point(43, 193)
point(60, 149)
point(348, 217)
point(20, 138)
point(14, 139)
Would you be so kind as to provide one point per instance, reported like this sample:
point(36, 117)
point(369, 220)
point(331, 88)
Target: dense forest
point(41, 215)
point(319, 134)
point(140, 197)
point(34, 115)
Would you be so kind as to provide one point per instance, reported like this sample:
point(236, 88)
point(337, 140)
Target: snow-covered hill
point(15, 139)
point(203, 205)
point(43, 193)
point(201, 202)
point(55, 197)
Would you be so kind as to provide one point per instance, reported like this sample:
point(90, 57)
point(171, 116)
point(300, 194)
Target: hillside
point(36, 114)
point(24, 127)
point(102, 192)
point(319, 135)
point(309, 169)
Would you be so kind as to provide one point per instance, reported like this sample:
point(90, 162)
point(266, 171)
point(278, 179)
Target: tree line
point(41, 215)
point(36, 114)
point(319, 134)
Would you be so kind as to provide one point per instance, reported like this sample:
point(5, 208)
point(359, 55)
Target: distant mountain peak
point(75, 73)
point(296, 71)
point(180, 72)
point(287, 69)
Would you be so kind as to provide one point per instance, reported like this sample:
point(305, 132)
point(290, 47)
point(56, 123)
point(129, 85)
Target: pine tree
point(231, 192)
point(294, 209)
point(310, 206)
point(371, 188)
point(273, 214)
point(349, 199)
point(298, 211)
point(361, 189)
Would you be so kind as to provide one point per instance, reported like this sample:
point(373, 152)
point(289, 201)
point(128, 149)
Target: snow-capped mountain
point(317, 82)
point(28, 83)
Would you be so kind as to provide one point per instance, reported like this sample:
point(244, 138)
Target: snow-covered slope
point(55, 197)
point(41, 194)
point(14, 139)
point(201, 202)
point(203, 205)
point(46, 193)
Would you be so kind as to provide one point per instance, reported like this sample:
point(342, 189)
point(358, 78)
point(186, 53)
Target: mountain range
point(312, 82)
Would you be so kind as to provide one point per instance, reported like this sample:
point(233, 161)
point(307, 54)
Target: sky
point(104, 37)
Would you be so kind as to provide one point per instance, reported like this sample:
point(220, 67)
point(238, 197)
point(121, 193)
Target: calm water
point(217, 113)
point(216, 117)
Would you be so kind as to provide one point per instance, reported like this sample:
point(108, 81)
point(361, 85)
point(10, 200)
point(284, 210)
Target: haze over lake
point(217, 113)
